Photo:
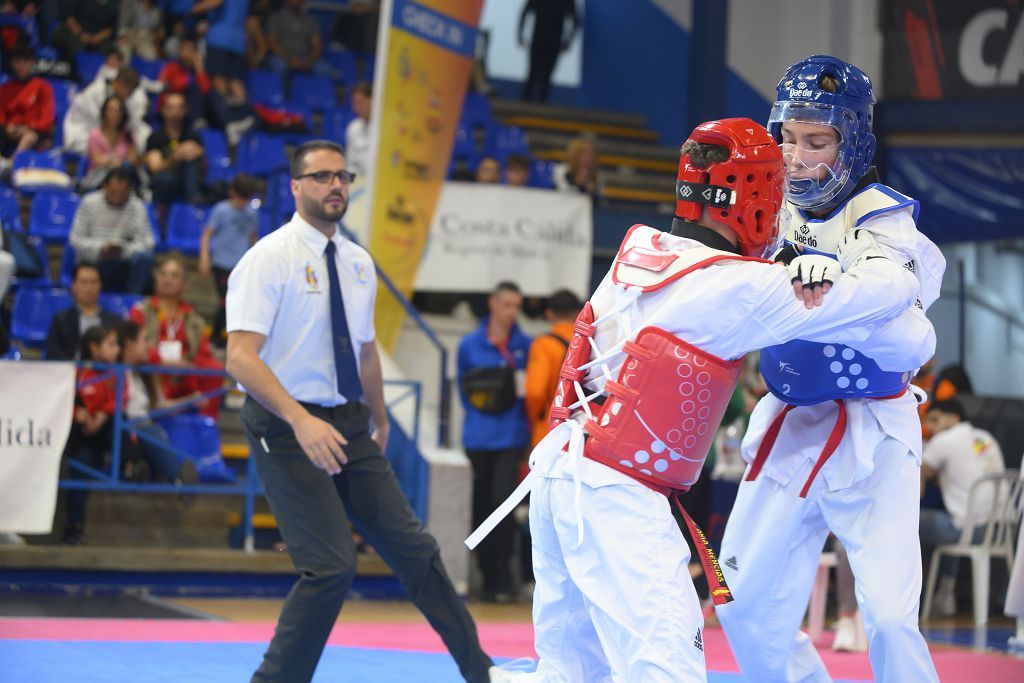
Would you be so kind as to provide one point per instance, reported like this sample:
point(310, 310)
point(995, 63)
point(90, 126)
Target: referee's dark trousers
point(313, 511)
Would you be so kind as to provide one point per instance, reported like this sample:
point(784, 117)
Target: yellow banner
point(425, 56)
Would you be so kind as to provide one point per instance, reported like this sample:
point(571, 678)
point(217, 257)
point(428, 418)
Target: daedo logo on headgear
point(23, 433)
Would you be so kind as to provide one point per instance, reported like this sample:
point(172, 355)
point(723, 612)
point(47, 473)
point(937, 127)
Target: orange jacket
point(542, 366)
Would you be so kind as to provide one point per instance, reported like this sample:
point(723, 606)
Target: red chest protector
point(661, 413)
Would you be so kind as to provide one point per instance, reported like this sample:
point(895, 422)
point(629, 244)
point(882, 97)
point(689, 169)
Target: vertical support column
point(706, 62)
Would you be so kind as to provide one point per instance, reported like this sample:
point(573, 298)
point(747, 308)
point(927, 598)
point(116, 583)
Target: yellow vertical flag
point(425, 56)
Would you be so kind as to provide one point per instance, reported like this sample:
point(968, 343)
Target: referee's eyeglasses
point(326, 177)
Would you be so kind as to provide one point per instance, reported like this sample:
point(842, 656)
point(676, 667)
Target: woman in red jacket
point(26, 106)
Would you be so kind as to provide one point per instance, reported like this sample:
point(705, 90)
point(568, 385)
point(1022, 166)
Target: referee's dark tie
point(349, 385)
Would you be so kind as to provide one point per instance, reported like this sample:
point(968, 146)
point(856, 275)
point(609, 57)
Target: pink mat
point(499, 639)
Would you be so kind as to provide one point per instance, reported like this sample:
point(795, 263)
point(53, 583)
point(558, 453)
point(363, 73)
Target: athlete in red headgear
point(654, 359)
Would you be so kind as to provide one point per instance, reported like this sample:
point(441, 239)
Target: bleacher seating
point(476, 112)
point(504, 141)
point(10, 213)
point(148, 68)
point(542, 174)
point(335, 123)
point(218, 161)
point(197, 435)
point(344, 63)
point(280, 202)
point(33, 309)
point(52, 215)
point(260, 154)
point(36, 244)
point(51, 158)
point(266, 87)
point(88, 63)
point(67, 265)
point(118, 303)
point(63, 93)
point(185, 225)
point(315, 92)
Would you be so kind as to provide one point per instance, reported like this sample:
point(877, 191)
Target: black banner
point(952, 49)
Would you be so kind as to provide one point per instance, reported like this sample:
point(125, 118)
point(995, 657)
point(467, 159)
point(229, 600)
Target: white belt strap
point(570, 432)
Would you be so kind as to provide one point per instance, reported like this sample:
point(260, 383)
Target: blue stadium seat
point(10, 212)
point(542, 174)
point(265, 87)
point(476, 111)
point(46, 52)
point(197, 435)
point(88, 63)
point(67, 265)
point(335, 123)
point(218, 160)
point(344, 63)
point(261, 154)
point(280, 202)
point(24, 24)
point(267, 225)
point(504, 141)
point(148, 68)
point(315, 92)
point(154, 226)
point(39, 247)
point(52, 215)
point(33, 309)
point(53, 159)
point(119, 303)
point(63, 93)
point(185, 225)
point(369, 66)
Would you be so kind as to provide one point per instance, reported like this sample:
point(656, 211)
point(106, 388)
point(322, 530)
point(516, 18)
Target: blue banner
point(435, 27)
point(966, 194)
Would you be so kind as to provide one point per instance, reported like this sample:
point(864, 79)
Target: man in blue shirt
point(233, 228)
point(225, 46)
point(495, 434)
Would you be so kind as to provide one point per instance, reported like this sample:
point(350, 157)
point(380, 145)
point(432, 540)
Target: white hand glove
point(813, 269)
point(856, 247)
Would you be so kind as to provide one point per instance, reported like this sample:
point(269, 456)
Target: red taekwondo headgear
point(745, 192)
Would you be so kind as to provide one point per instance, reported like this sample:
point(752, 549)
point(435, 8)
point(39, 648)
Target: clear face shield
point(817, 142)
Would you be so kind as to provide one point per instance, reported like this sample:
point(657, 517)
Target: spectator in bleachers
point(143, 396)
point(358, 132)
point(958, 454)
point(545, 360)
point(26, 106)
point(548, 41)
point(7, 267)
point(110, 144)
point(233, 228)
point(84, 113)
point(140, 29)
point(186, 75)
point(225, 46)
point(256, 47)
point(85, 25)
point(517, 171)
point(174, 156)
point(91, 427)
point(63, 340)
point(495, 434)
point(294, 40)
point(488, 170)
point(180, 336)
point(356, 26)
point(579, 172)
point(112, 229)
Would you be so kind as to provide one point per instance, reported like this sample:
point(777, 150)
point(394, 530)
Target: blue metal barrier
point(248, 488)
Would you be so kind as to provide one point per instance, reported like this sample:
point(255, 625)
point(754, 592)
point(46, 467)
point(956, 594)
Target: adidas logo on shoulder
point(731, 564)
point(698, 641)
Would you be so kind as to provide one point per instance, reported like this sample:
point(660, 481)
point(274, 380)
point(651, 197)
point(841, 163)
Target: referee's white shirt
point(280, 289)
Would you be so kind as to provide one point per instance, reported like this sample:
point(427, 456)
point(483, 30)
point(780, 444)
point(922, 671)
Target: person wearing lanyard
point(495, 434)
point(301, 342)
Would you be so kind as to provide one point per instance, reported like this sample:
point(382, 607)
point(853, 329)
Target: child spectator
point(517, 171)
point(233, 228)
point(91, 431)
point(26, 106)
point(488, 170)
point(110, 145)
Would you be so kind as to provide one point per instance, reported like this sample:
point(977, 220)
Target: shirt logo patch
point(312, 279)
point(361, 276)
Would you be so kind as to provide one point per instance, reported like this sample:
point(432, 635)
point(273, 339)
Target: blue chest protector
point(806, 373)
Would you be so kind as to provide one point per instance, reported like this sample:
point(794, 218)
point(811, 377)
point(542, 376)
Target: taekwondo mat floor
point(167, 645)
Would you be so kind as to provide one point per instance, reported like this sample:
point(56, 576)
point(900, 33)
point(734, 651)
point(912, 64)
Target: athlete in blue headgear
point(836, 445)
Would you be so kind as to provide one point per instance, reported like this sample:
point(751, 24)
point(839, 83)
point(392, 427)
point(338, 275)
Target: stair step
point(502, 108)
point(235, 451)
point(577, 127)
point(615, 161)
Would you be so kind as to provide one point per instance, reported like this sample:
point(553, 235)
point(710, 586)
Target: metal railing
point(249, 487)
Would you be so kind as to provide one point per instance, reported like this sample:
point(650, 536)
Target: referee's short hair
point(299, 157)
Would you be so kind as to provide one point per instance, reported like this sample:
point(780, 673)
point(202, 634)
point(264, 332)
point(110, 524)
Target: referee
point(301, 343)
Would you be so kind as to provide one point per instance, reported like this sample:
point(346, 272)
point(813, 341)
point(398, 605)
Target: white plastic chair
point(1000, 532)
point(819, 597)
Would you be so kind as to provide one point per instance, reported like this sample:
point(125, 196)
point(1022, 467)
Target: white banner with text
point(37, 399)
point(484, 234)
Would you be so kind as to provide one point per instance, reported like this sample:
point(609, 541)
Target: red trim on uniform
point(767, 443)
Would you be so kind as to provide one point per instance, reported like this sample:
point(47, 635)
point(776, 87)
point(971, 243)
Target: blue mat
point(50, 661)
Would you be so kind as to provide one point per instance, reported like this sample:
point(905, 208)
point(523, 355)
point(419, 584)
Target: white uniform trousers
point(770, 553)
point(621, 606)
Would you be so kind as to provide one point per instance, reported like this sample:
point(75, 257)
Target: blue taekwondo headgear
point(801, 98)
